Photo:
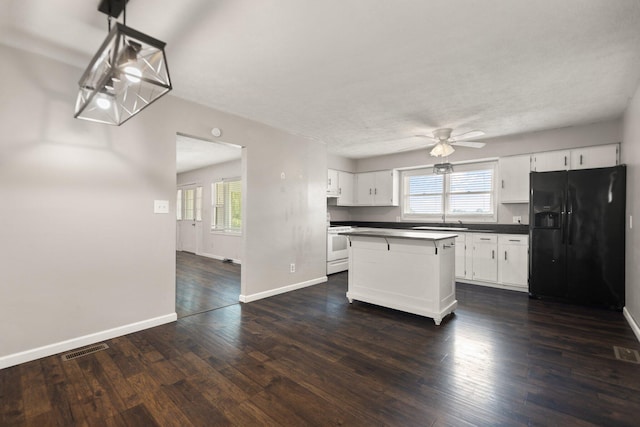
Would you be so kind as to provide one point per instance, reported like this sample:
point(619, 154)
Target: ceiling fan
point(443, 142)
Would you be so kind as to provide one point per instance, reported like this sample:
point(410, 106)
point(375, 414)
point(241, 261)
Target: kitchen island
point(411, 271)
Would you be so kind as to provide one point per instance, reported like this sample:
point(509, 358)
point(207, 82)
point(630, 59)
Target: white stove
point(337, 249)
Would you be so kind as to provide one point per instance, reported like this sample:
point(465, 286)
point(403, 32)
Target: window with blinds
point(466, 194)
point(226, 206)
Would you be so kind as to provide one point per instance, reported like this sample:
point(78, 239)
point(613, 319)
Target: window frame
point(444, 216)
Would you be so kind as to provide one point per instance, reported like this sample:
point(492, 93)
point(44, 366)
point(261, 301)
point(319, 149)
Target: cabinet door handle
point(375, 191)
point(565, 160)
point(369, 191)
point(503, 183)
point(493, 254)
point(514, 240)
point(340, 190)
point(485, 238)
point(580, 158)
point(505, 255)
point(329, 181)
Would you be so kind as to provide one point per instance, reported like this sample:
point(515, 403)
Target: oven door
point(337, 247)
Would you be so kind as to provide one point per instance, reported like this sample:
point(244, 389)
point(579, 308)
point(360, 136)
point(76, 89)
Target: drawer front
point(513, 239)
point(485, 238)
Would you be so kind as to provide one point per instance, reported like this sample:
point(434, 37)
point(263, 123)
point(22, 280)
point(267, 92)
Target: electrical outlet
point(292, 268)
point(517, 219)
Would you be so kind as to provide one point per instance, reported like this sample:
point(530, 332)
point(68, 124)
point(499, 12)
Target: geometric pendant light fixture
point(128, 73)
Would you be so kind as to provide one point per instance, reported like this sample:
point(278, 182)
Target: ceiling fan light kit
point(127, 74)
point(442, 168)
point(442, 149)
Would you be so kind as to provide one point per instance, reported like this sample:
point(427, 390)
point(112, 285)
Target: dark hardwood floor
point(204, 284)
point(310, 358)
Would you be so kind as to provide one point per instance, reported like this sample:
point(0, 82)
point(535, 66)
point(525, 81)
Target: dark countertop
point(472, 228)
point(401, 234)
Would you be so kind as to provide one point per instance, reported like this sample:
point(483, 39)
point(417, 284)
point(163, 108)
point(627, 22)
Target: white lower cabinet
point(485, 262)
point(496, 260)
point(513, 260)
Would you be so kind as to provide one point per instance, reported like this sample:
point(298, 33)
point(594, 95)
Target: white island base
point(408, 271)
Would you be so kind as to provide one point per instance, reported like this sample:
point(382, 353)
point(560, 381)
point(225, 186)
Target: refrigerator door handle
point(569, 216)
point(563, 219)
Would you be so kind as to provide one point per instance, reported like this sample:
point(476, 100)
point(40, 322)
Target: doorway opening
point(208, 224)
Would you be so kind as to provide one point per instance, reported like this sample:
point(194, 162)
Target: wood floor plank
point(35, 396)
point(12, 410)
point(189, 399)
point(158, 404)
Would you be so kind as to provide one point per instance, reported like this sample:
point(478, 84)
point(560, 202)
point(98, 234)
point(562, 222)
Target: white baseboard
point(282, 290)
point(62, 346)
point(218, 257)
point(632, 322)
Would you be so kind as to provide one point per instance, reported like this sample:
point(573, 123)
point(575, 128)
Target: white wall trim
point(634, 326)
point(62, 346)
point(282, 290)
point(218, 257)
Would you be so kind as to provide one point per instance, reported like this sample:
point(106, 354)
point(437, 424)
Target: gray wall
point(554, 139)
point(214, 245)
point(83, 256)
point(631, 156)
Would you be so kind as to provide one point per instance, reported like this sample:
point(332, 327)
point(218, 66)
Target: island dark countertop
point(471, 228)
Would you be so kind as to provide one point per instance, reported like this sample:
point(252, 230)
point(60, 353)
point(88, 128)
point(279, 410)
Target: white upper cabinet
point(601, 156)
point(332, 182)
point(346, 183)
point(514, 178)
point(551, 161)
point(377, 188)
point(365, 185)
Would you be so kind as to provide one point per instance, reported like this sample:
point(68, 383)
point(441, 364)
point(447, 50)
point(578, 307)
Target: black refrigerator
point(576, 234)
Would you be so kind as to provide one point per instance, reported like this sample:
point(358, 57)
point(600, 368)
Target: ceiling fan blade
point(472, 144)
point(467, 135)
point(427, 137)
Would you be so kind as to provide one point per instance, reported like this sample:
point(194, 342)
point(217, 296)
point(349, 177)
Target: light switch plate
point(161, 206)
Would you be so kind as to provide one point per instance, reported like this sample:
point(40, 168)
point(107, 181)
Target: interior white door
point(187, 226)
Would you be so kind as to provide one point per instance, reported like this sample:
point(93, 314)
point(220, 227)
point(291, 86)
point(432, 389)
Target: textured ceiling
point(364, 76)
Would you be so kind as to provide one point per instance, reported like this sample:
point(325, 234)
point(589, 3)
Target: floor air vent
point(626, 354)
point(84, 351)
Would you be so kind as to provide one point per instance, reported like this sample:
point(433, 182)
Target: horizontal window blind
point(468, 192)
point(425, 194)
